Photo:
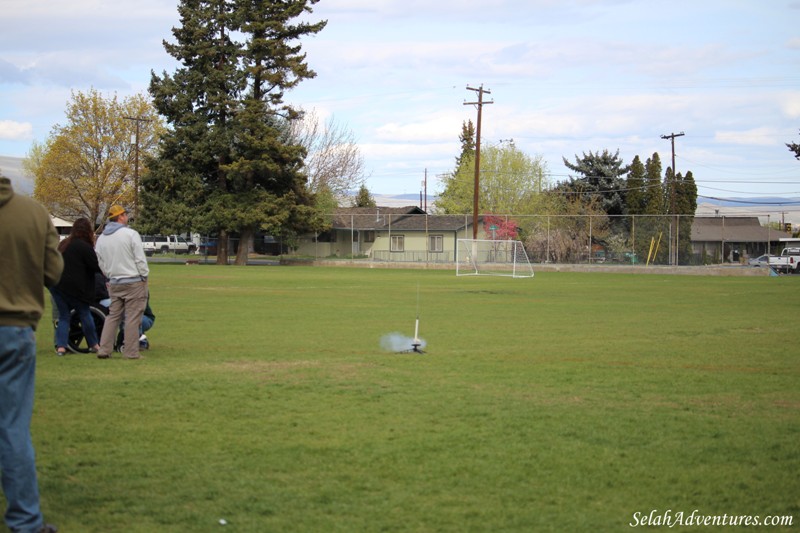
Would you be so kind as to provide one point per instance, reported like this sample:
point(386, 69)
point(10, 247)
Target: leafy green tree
point(90, 162)
point(510, 183)
point(229, 164)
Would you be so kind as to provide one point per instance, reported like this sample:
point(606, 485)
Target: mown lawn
point(566, 402)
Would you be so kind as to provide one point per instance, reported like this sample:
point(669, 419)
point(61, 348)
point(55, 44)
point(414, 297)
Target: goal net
point(492, 258)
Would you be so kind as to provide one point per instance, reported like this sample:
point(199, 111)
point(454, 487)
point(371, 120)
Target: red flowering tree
point(500, 228)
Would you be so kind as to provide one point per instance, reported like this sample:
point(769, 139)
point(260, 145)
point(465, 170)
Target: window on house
point(436, 243)
point(398, 243)
point(369, 236)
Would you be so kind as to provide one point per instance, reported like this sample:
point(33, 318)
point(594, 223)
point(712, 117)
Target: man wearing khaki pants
point(122, 260)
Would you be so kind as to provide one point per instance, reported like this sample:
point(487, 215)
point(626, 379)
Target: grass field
point(566, 402)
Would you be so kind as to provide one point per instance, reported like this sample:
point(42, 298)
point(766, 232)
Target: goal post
point(476, 257)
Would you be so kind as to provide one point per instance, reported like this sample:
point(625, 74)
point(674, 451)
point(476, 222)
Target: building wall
point(415, 245)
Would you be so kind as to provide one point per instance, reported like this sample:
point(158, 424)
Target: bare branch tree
point(334, 162)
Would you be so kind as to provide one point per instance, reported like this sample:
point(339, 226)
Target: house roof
point(60, 222)
point(735, 229)
point(408, 218)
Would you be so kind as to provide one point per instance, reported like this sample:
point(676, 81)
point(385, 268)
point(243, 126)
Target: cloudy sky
point(566, 77)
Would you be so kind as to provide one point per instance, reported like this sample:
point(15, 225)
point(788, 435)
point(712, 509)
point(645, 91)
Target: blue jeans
point(65, 304)
point(147, 323)
point(17, 460)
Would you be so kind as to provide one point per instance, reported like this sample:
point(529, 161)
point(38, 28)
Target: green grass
point(567, 402)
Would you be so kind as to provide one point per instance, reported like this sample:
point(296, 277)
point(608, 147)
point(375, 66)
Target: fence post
point(547, 257)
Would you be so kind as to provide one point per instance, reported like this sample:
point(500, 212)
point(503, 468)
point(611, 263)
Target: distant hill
point(11, 167)
point(750, 202)
point(401, 200)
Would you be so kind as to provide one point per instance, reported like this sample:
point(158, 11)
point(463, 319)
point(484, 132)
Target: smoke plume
point(397, 342)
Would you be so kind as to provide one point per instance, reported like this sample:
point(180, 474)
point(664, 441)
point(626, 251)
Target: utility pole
point(138, 121)
point(425, 192)
point(673, 257)
point(480, 90)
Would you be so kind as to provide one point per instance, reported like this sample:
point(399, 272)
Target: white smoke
point(397, 342)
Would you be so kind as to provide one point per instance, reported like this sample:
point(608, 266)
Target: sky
point(566, 77)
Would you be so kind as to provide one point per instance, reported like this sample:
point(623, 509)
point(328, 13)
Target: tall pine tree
point(654, 192)
point(467, 139)
point(228, 165)
point(685, 207)
point(635, 188)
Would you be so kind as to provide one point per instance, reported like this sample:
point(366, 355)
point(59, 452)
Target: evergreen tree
point(635, 188)
point(654, 193)
point(648, 231)
point(685, 206)
point(467, 139)
point(364, 198)
point(601, 175)
point(794, 147)
point(229, 164)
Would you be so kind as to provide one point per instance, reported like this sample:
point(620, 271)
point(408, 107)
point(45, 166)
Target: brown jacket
point(29, 257)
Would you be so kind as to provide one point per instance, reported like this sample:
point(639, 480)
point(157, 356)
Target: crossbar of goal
point(483, 257)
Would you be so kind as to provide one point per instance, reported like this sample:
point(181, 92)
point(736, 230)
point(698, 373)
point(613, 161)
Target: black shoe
point(103, 356)
point(48, 528)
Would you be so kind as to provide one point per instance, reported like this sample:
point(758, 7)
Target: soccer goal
point(492, 258)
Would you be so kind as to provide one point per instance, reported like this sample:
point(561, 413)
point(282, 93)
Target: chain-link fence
point(570, 239)
point(385, 236)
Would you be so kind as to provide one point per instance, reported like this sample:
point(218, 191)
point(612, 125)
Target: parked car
point(760, 261)
point(166, 243)
point(788, 262)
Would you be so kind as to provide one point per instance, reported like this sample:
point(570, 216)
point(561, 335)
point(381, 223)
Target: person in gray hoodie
point(122, 260)
point(29, 261)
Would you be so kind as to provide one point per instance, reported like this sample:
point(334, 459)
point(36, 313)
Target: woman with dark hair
point(76, 288)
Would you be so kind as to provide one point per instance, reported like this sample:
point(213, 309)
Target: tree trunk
point(222, 248)
point(245, 244)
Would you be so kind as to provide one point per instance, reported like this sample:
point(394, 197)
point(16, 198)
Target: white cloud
point(15, 131)
point(757, 136)
point(422, 129)
point(791, 105)
point(403, 151)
